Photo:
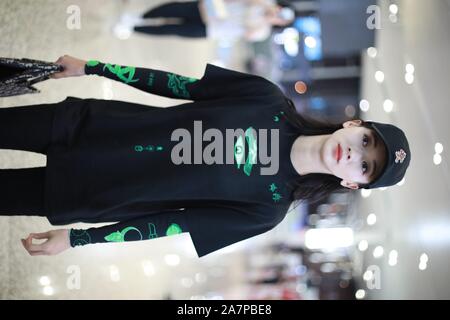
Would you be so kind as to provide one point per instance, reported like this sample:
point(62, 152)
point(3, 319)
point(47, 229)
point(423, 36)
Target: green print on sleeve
point(119, 236)
point(152, 231)
point(151, 79)
point(173, 229)
point(178, 84)
point(92, 63)
point(120, 72)
point(79, 237)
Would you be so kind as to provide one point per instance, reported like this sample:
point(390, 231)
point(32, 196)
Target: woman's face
point(361, 154)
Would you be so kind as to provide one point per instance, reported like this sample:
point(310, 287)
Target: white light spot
point(172, 259)
point(328, 238)
point(44, 281)
point(365, 192)
point(48, 291)
point(401, 182)
point(382, 188)
point(371, 219)
point(360, 294)
point(437, 159)
point(438, 147)
point(372, 52)
point(310, 42)
point(393, 8)
point(393, 18)
point(379, 76)
point(409, 78)
point(424, 257)
point(368, 275)
point(378, 252)
point(393, 255)
point(363, 245)
point(409, 68)
point(422, 266)
point(388, 105)
point(364, 105)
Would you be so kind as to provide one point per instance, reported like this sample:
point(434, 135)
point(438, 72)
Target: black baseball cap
point(398, 154)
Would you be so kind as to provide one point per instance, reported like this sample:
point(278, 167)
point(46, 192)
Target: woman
point(149, 168)
point(229, 20)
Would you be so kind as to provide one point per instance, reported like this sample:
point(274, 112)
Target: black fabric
point(111, 160)
point(190, 24)
point(25, 128)
point(22, 192)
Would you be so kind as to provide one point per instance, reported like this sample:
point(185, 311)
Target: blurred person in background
point(223, 20)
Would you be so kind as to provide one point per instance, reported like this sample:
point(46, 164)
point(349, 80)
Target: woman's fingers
point(41, 235)
point(33, 248)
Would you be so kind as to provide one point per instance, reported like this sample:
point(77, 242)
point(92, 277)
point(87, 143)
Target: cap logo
point(400, 155)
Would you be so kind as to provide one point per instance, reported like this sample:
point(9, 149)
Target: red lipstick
point(338, 152)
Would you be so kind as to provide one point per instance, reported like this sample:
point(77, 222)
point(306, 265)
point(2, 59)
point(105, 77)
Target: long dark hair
point(313, 187)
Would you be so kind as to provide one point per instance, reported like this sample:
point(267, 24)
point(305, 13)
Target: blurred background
point(381, 244)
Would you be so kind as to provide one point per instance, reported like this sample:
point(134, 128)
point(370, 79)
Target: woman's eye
point(364, 166)
point(365, 140)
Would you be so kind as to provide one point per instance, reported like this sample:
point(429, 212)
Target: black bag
point(18, 75)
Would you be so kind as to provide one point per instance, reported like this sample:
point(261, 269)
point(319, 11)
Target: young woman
point(231, 20)
point(186, 168)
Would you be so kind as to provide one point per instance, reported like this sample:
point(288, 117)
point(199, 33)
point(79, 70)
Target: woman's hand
point(73, 67)
point(57, 241)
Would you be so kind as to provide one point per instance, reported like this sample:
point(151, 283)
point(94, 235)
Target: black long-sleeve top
point(162, 171)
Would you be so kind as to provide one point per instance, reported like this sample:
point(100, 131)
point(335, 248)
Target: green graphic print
point(79, 237)
point(178, 84)
point(125, 74)
point(150, 147)
point(152, 231)
point(252, 151)
point(92, 63)
point(276, 118)
point(275, 195)
point(173, 229)
point(119, 236)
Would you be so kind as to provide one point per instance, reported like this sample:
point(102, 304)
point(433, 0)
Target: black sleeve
point(216, 82)
point(211, 228)
point(214, 228)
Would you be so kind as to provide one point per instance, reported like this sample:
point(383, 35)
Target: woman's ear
point(350, 185)
point(352, 123)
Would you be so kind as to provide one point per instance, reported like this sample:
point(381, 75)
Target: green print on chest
point(125, 74)
point(178, 84)
point(139, 148)
point(276, 118)
point(252, 151)
point(275, 195)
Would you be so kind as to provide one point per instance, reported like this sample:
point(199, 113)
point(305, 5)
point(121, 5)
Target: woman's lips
point(338, 153)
